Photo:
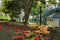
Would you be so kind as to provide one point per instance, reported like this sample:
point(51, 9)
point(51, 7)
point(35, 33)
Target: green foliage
point(4, 4)
point(59, 3)
point(15, 6)
point(52, 1)
point(43, 1)
point(36, 8)
point(35, 11)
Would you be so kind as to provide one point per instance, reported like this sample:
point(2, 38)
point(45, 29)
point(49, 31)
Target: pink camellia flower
point(25, 34)
point(33, 30)
point(37, 32)
point(19, 37)
point(1, 28)
point(14, 39)
point(27, 31)
point(15, 29)
point(40, 39)
point(36, 38)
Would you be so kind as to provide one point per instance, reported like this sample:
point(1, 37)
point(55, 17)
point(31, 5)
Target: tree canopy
point(30, 6)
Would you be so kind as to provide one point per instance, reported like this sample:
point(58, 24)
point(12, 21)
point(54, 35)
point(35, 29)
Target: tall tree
point(16, 5)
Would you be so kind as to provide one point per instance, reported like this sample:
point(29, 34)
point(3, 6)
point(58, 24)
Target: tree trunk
point(27, 9)
point(26, 17)
point(40, 14)
point(12, 16)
